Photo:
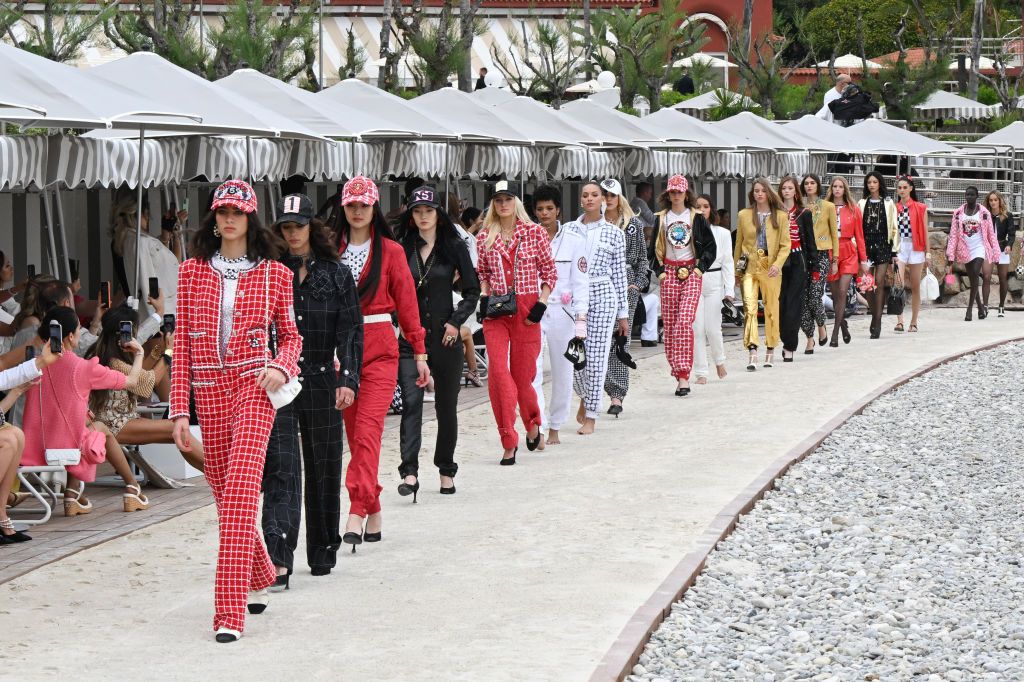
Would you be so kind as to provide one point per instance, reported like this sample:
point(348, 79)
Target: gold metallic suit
point(755, 279)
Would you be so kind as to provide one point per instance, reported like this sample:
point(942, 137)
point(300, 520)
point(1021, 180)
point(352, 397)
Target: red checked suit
point(234, 412)
point(364, 419)
point(526, 264)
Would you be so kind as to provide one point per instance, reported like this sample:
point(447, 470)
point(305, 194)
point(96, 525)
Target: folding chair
point(32, 482)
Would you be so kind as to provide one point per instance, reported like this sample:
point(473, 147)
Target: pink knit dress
point(65, 387)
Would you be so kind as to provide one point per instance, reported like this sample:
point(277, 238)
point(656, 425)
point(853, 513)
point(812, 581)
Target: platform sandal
point(77, 503)
point(135, 501)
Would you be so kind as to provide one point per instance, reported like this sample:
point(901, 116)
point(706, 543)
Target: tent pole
point(48, 210)
point(138, 212)
point(352, 159)
point(522, 168)
point(248, 158)
point(63, 234)
point(447, 170)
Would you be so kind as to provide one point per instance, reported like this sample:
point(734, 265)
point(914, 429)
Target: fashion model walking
point(826, 239)
point(1006, 233)
point(385, 287)
point(912, 225)
point(717, 287)
point(851, 249)
point(881, 240)
point(230, 294)
point(566, 316)
point(684, 249)
point(437, 257)
point(972, 242)
point(638, 275)
point(802, 250)
point(331, 325)
point(608, 308)
point(762, 246)
point(517, 270)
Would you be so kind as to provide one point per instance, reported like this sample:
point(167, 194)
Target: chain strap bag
point(290, 390)
point(92, 449)
point(505, 304)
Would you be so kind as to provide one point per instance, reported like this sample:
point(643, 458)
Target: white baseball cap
point(612, 186)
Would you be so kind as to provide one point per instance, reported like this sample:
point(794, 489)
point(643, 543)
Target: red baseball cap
point(237, 193)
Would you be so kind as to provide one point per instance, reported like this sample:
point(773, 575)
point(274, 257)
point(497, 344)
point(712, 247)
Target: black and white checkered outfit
point(329, 319)
point(638, 276)
point(606, 268)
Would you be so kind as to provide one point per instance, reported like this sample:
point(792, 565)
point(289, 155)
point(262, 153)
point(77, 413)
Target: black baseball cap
point(512, 189)
point(294, 208)
point(424, 195)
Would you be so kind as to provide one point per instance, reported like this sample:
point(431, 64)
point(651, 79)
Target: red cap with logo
point(237, 193)
point(360, 189)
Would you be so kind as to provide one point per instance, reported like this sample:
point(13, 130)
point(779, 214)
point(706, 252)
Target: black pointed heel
point(509, 461)
point(533, 443)
point(846, 333)
point(404, 489)
point(371, 537)
point(352, 539)
point(448, 491)
point(615, 410)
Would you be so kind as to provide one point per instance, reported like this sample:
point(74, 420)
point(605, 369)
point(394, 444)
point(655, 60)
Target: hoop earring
point(216, 232)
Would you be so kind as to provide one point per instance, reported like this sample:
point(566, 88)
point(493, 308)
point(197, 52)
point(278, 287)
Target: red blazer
point(851, 226)
point(396, 292)
point(197, 360)
point(918, 229)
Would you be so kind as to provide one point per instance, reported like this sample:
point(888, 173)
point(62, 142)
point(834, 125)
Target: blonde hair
point(625, 212)
point(492, 223)
point(847, 197)
point(1003, 210)
point(123, 216)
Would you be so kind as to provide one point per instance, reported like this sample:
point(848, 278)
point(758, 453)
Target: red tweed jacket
point(197, 358)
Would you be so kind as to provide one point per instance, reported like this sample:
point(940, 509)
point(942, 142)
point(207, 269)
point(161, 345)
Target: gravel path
point(893, 552)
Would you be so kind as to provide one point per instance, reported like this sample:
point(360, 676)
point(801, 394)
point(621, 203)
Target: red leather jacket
point(197, 358)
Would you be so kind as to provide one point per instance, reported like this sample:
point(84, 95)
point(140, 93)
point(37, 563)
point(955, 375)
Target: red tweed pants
point(679, 301)
point(364, 419)
point(512, 350)
point(236, 416)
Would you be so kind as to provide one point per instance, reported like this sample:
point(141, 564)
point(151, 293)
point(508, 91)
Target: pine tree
point(64, 28)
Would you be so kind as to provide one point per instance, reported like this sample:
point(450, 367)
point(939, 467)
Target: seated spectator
point(116, 409)
point(56, 414)
point(155, 259)
point(12, 441)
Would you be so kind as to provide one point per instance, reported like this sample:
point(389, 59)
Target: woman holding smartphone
point(233, 293)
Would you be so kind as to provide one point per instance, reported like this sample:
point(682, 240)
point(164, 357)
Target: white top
point(723, 260)
point(18, 375)
point(230, 269)
point(470, 242)
point(972, 233)
point(830, 96)
point(679, 235)
point(356, 257)
point(572, 289)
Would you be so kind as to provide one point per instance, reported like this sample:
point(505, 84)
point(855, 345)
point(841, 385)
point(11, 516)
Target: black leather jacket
point(703, 242)
point(1006, 230)
point(805, 225)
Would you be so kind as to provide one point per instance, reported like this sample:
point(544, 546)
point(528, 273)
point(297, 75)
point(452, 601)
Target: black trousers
point(791, 299)
point(313, 416)
point(446, 368)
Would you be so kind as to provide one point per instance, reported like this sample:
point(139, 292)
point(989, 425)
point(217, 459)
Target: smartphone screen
point(125, 333)
point(56, 337)
point(154, 287)
point(30, 353)
point(168, 326)
point(184, 204)
point(31, 270)
point(105, 294)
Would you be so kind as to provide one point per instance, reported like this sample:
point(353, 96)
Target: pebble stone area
point(893, 552)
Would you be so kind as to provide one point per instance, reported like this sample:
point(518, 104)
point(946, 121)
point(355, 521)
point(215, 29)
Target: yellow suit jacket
point(778, 238)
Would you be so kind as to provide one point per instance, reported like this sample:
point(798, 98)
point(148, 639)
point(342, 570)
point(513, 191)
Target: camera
point(56, 337)
point(125, 333)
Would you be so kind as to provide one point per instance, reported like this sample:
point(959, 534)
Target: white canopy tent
point(757, 133)
point(672, 124)
point(851, 61)
point(612, 122)
point(473, 120)
point(562, 124)
point(942, 104)
point(1012, 135)
point(492, 96)
point(822, 134)
point(983, 63)
point(392, 111)
point(710, 100)
point(878, 136)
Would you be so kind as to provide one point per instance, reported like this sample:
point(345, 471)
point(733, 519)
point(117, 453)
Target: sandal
point(17, 498)
point(913, 328)
point(135, 501)
point(474, 378)
point(75, 502)
point(898, 327)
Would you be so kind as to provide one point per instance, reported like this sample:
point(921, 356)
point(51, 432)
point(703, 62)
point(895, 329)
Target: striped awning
point(22, 161)
point(485, 160)
point(75, 161)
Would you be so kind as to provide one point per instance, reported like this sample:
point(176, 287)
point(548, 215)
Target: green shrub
point(1003, 120)
point(670, 98)
point(987, 95)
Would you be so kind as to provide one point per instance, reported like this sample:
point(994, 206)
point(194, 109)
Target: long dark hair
point(713, 220)
point(108, 347)
point(321, 240)
point(882, 192)
point(260, 242)
point(43, 294)
point(447, 237)
point(665, 201)
point(379, 231)
point(910, 181)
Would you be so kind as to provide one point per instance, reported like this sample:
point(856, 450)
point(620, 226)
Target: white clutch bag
point(63, 457)
point(287, 393)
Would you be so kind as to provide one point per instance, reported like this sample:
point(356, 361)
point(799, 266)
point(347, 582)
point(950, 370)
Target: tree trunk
point(385, 45)
point(748, 33)
point(977, 33)
point(466, 17)
point(588, 40)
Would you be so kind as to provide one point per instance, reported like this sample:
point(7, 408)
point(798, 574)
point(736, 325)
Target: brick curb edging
point(624, 653)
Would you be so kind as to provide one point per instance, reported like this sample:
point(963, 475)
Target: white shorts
point(1004, 259)
point(908, 255)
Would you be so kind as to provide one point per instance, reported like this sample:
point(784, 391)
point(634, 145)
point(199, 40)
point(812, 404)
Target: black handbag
point(896, 302)
point(505, 304)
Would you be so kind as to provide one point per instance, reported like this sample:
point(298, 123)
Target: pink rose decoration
point(566, 297)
